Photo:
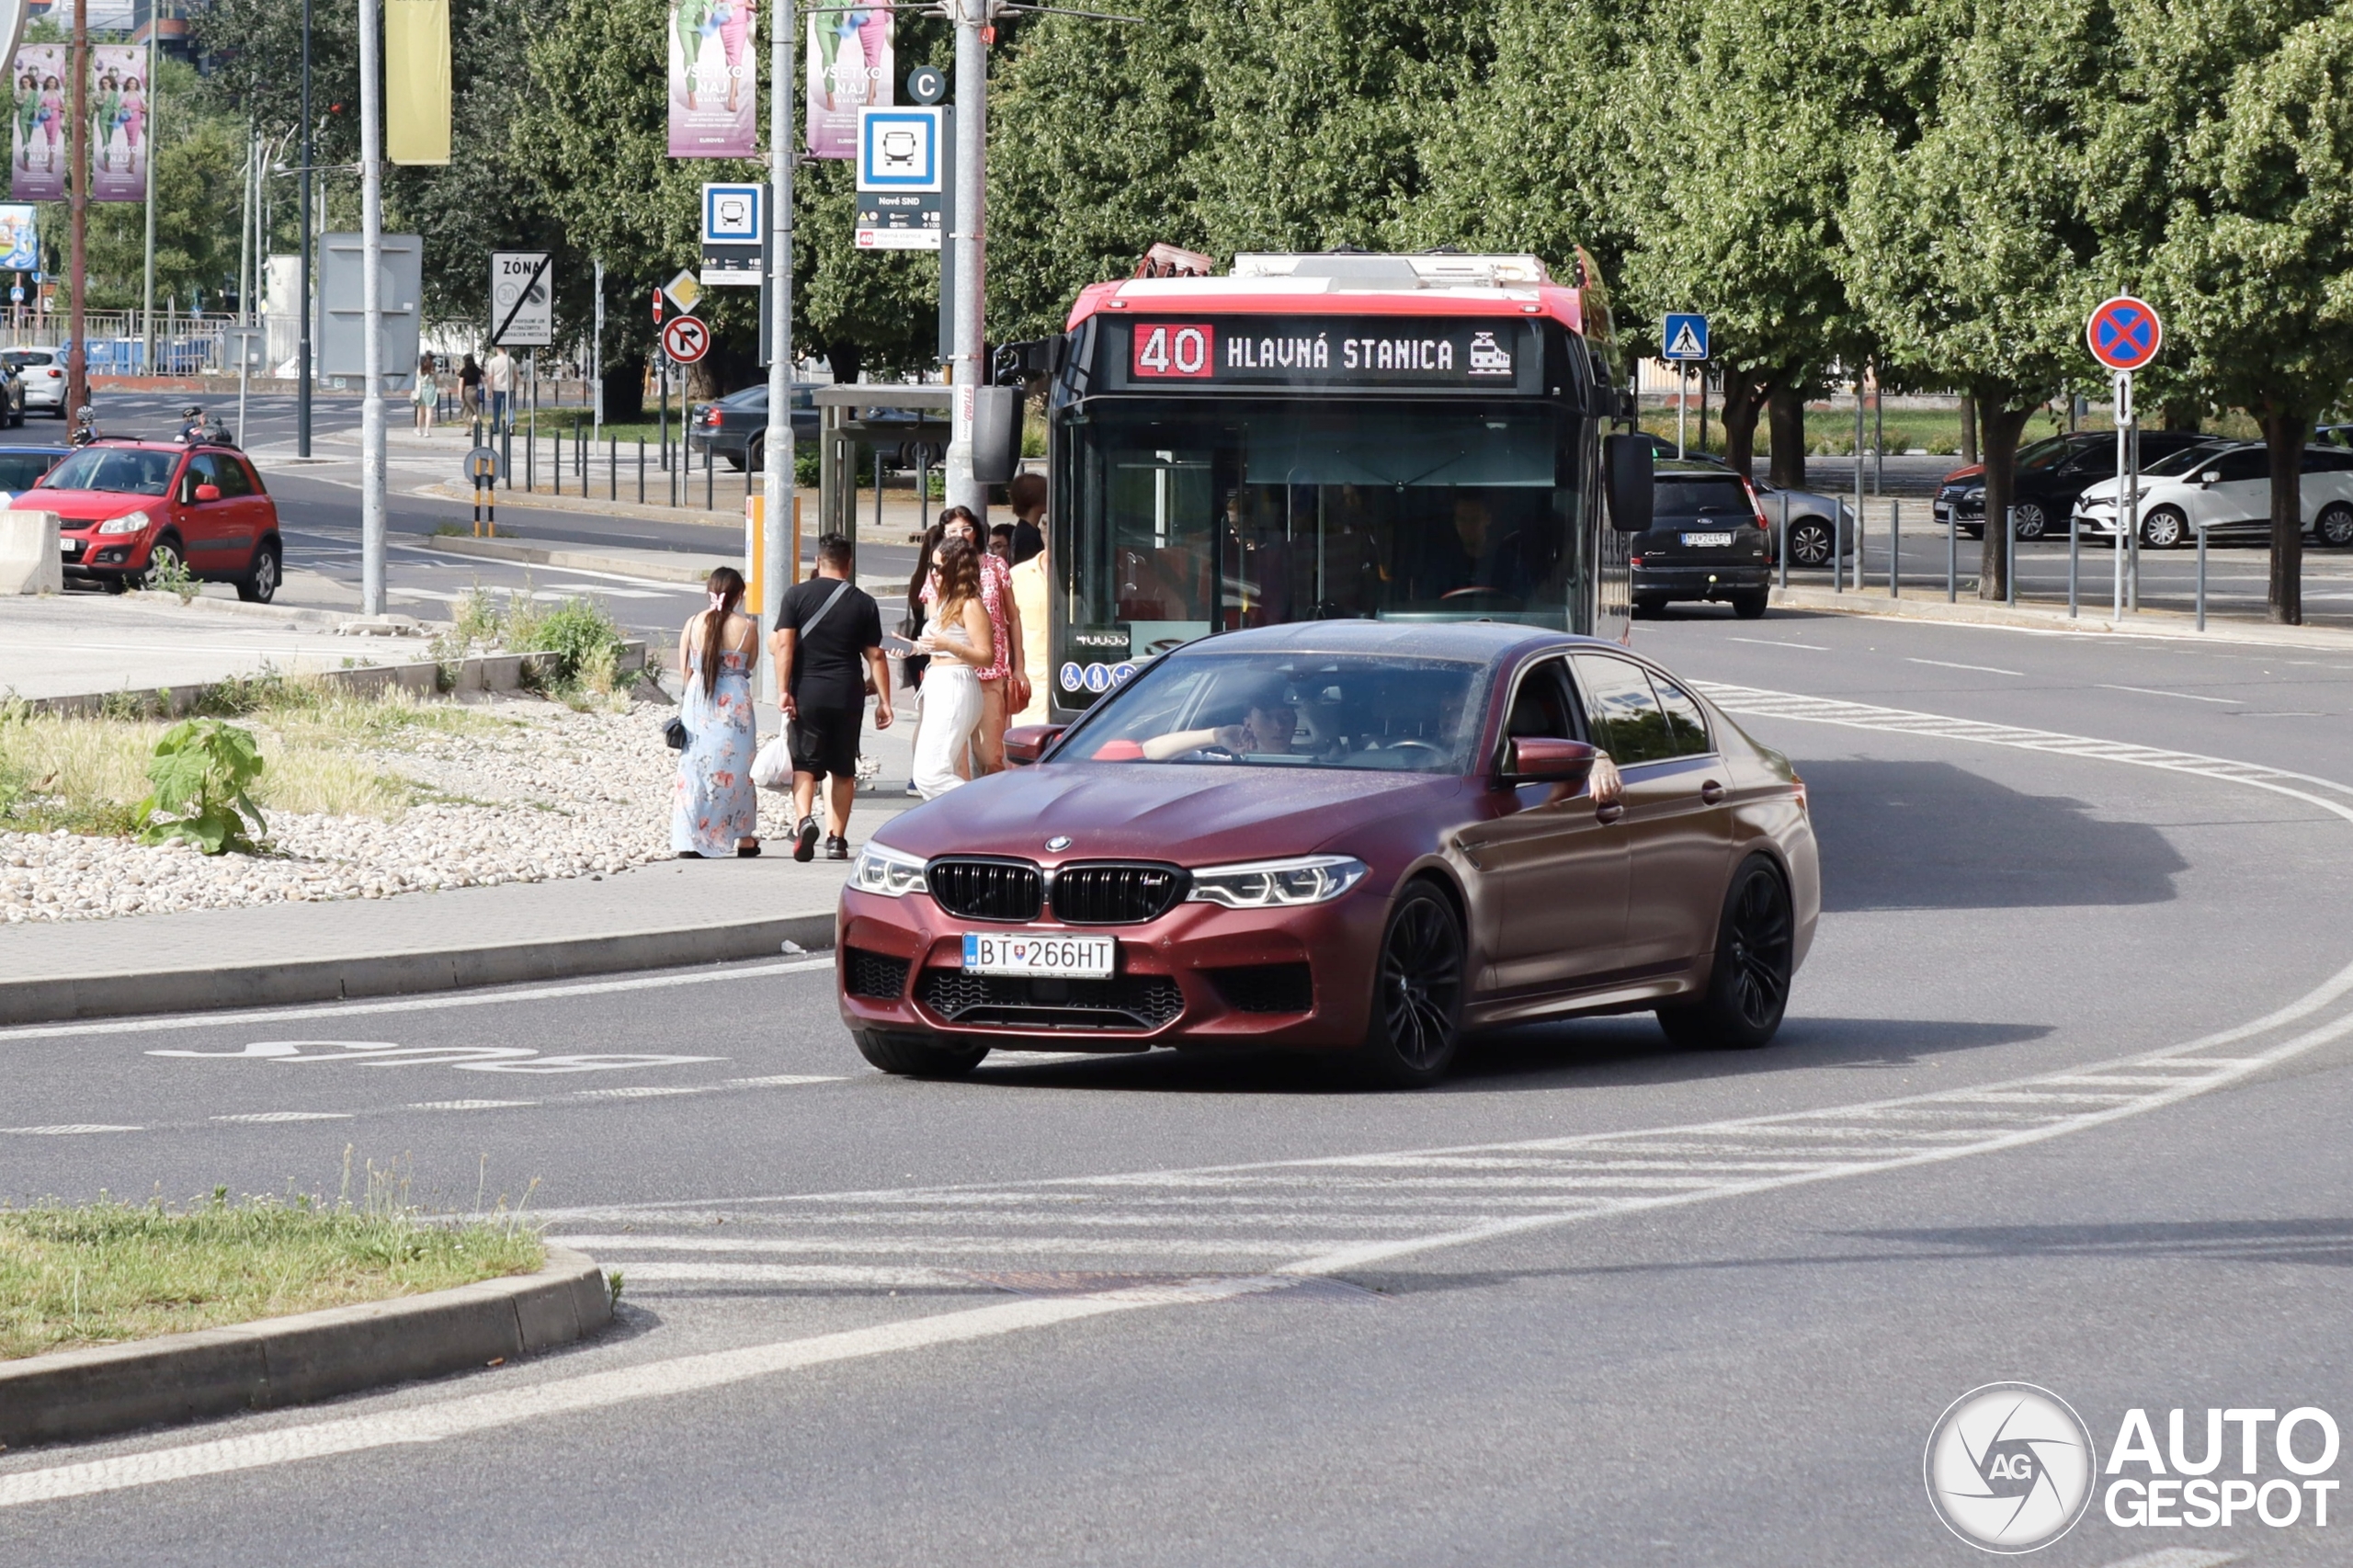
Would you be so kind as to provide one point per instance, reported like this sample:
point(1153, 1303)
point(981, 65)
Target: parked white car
point(43, 373)
point(2226, 490)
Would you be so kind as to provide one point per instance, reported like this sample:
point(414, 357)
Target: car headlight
point(128, 523)
point(888, 872)
point(1265, 884)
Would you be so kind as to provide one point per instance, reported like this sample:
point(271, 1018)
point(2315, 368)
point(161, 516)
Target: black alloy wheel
point(918, 1056)
point(1417, 993)
point(1749, 987)
point(2165, 529)
point(2333, 526)
point(1810, 542)
point(259, 585)
point(2032, 519)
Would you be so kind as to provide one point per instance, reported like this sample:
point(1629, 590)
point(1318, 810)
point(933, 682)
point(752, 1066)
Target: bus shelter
point(864, 428)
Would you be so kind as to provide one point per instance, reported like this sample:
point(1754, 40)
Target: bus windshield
point(1200, 515)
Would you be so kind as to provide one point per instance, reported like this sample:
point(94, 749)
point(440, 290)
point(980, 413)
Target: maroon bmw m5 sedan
point(1352, 838)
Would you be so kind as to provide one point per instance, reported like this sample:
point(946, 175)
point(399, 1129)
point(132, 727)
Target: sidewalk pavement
point(1930, 606)
point(77, 644)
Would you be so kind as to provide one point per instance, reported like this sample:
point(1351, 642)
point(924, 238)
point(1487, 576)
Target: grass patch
point(102, 1273)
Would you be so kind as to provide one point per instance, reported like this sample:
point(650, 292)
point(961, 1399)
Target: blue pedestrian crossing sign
point(1685, 336)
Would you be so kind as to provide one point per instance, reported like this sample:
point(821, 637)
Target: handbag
point(674, 733)
point(911, 667)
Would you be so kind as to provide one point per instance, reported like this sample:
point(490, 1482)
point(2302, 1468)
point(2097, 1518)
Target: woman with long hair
point(426, 396)
point(911, 627)
point(1005, 623)
point(714, 809)
point(960, 644)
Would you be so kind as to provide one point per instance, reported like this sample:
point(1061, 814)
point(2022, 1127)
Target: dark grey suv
point(1708, 540)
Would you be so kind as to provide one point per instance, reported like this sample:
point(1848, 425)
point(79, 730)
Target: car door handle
point(1711, 792)
point(1609, 812)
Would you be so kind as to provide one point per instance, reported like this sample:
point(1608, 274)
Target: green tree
point(2256, 268)
point(1972, 250)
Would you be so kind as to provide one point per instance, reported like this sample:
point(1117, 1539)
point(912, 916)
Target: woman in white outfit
point(960, 644)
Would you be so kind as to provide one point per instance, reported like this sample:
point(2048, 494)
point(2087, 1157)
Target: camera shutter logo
point(2010, 1467)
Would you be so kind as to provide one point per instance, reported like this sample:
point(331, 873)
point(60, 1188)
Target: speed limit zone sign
point(686, 339)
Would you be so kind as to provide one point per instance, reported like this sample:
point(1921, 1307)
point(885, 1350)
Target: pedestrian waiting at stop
point(827, 648)
point(1028, 493)
point(499, 376)
point(469, 390)
point(960, 644)
point(1002, 692)
point(427, 395)
point(714, 810)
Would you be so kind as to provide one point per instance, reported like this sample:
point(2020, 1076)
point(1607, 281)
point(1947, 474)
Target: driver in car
point(1266, 730)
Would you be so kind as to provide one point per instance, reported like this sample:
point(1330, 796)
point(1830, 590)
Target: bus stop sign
point(2124, 333)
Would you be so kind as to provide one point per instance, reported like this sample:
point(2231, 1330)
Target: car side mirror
point(2210, 477)
point(1630, 471)
point(1025, 743)
point(1542, 759)
point(207, 492)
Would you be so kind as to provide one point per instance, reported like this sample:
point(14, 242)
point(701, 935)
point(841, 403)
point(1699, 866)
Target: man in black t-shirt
point(828, 641)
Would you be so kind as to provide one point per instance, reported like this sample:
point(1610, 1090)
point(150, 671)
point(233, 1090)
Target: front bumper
point(1199, 975)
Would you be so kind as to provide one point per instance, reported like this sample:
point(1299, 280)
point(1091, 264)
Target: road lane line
point(2185, 696)
point(594, 1391)
point(67, 1129)
point(261, 1115)
point(1981, 669)
point(413, 1004)
point(1777, 643)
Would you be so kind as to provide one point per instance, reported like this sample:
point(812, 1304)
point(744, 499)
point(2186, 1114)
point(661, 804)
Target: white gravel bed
point(564, 793)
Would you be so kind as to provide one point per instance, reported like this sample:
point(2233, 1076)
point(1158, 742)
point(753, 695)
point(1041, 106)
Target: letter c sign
point(1173, 351)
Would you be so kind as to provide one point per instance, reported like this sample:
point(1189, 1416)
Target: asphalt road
point(1043, 1316)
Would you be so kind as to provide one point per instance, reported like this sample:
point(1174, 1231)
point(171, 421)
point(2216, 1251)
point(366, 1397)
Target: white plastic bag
point(772, 764)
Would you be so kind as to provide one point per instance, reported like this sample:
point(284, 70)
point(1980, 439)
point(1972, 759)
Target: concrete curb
point(687, 568)
point(2147, 623)
point(298, 1359)
point(63, 997)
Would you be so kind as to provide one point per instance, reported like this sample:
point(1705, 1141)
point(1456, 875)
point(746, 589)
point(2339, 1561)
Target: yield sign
point(686, 339)
point(2124, 333)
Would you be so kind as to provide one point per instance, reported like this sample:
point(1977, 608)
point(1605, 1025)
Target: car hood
point(1975, 471)
point(1194, 814)
point(86, 506)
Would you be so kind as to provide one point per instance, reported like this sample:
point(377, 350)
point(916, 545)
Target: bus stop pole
point(1783, 552)
point(2201, 576)
point(2075, 563)
point(970, 241)
point(1895, 550)
point(371, 320)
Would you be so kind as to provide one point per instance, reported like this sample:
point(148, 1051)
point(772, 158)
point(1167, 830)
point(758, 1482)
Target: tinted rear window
point(1681, 497)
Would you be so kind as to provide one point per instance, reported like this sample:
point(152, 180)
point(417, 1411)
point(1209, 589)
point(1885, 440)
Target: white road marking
point(2178, 1557)
point(411, 1004)
point(68, 1127)
point(799, 1274)
point(467, 1105)
point(1777, 643)
point(2185, 696)
point(1982, 669)
point(787, 1080)
point(288, 1116)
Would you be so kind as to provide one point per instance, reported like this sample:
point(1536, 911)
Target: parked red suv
point(125, 507)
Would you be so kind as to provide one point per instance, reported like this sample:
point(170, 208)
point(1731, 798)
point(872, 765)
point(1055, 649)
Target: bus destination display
point(1467, 353)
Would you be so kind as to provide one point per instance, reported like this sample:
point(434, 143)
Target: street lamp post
point(776, 453)
point(303, 352)
point(77, 363)
point(147, 297)
point(371, 320)
point(970, 241)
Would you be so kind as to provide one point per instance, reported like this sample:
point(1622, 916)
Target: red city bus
point(1392, 437)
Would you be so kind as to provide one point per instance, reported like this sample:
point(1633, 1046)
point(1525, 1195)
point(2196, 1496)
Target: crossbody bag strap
point(810, 625)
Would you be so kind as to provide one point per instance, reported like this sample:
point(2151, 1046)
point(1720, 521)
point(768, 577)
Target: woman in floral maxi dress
point(714, 809)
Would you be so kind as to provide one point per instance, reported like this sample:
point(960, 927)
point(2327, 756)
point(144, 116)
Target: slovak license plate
point(1029, 952)
point(1697, 540)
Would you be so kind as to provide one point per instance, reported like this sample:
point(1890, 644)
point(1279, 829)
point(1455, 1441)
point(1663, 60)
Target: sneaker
point(837, 846)
point(804, 841)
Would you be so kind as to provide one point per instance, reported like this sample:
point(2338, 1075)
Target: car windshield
point(2181, 461)
point(2043, 454)
point(1271, 710)
point(131, 470)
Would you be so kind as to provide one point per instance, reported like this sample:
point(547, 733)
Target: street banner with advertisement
point(42, 139)
point(849, 69)
point(119, 117)
point(19, 238)
point(416, 81)
point(714, 94)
